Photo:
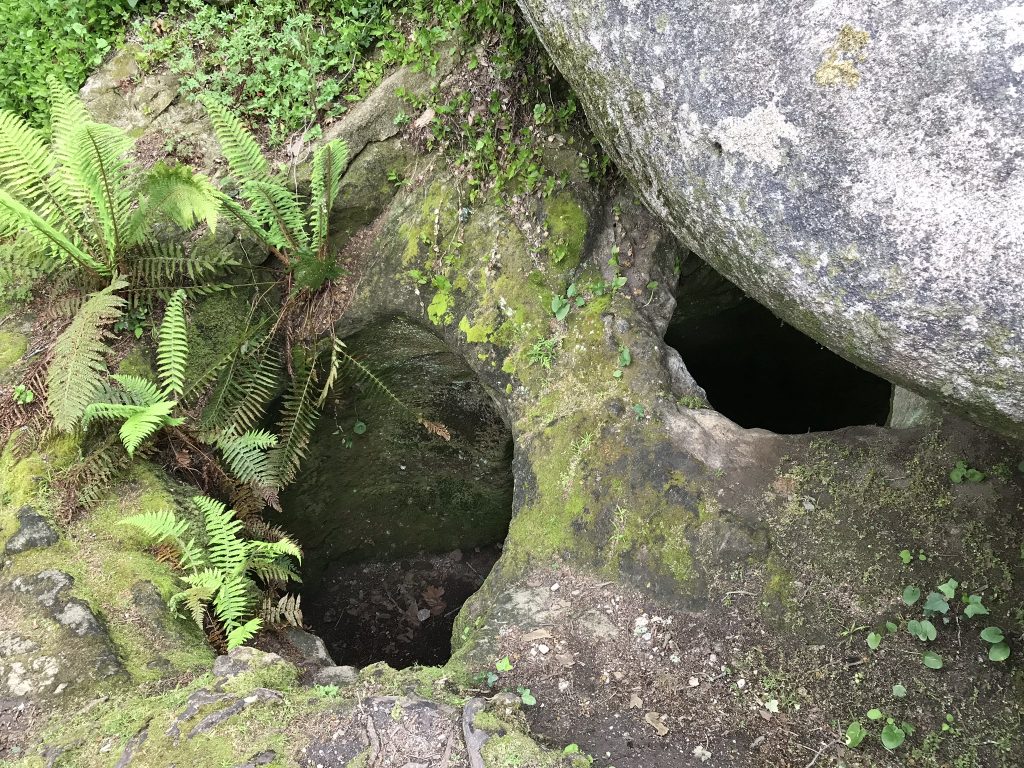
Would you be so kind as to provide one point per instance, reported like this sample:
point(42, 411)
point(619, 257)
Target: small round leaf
point(932, 660)
point(999, 652)
point(892, 736)
point(992, 635)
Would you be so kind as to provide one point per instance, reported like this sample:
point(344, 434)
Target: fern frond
point(202, 586)
point(277, 208)
point(192, 556)
point(271, 571)
point(246, 456)
point(172, 347)
point(140, 390)
point(239, 147)
point(329, 163)
point(243, 634)
point(247, 385)
point(287, 610)
point(14, 215)
point(159, 526)
point(79, 357)
point(26, 163)
point(162, 267)
point(139, 422)
point(227, 551)
point(109, 412)
point(298, 420)
point(67, 113)
point(179, 192)
point(253, 226)
point(233, 600)
point(271, 550)
point(90, 479)
point(146, 422)
point(98, 173)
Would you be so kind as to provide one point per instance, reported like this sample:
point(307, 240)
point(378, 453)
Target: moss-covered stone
point(12, 346)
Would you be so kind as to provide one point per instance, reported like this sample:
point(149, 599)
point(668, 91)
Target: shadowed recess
point(761, 372)
point(399, 526)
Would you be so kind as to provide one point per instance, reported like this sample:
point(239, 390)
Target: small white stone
point(563, 685)
point(555, 587)
point(741, 683)
point(713, 658)
point(543, 648)
point(694, 682)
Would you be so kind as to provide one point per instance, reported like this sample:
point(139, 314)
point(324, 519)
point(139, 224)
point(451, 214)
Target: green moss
point(280, 676)
point(86, 737)
point(476, 334)
point(108, 562)
point(217, 326)
point(516, 750)
point(567, 230)
point(12, 348)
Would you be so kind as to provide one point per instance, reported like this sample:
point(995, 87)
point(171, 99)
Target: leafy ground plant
point(219, 571)
point(63, 39)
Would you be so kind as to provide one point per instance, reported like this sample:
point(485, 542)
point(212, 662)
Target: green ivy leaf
point(949, 588)
point(892, 736)
point(911, 594)
point(874, 640)
point(906, 556)
point(503, 665)
point(936, 603)
point(855, 734)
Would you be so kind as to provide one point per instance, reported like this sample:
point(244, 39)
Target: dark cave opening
point(399, 526)
point(760, 372)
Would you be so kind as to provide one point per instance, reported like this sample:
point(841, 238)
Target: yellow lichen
point(839, 62)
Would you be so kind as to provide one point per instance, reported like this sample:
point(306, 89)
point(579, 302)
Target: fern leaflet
point(79, 357)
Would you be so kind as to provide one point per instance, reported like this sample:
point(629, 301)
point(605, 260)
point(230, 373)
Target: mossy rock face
point(12, 347)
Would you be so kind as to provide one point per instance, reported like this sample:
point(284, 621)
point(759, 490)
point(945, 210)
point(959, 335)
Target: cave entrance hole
point(400, 527)
point(761, 372)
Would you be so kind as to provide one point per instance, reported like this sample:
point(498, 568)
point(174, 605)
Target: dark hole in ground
point(399, 526)
point(761, 372)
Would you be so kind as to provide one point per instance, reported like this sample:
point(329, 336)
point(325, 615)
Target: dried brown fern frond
point(286, 610)
point(437, 428)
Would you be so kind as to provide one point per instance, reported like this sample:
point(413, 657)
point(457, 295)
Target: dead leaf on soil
point(653, 719)
point(537, 634)
point(635, 702)
point(565, 659)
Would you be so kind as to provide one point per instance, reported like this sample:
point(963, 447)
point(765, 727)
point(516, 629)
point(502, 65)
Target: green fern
point(83, 198)
point(299, 416)
point(329, 163)
point(219, 574)
point(272, 212)
point(172, 348)
point(79, 357)
point(247, 459)
point(240, 149)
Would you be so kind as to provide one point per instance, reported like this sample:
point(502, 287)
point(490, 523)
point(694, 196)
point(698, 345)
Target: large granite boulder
point(855, 167)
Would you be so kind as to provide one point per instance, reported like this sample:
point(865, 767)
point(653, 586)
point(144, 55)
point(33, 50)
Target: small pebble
point(694, 682)
point(543, 648)
point(555, 587)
